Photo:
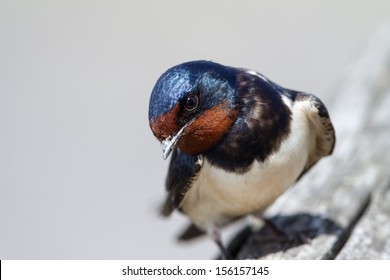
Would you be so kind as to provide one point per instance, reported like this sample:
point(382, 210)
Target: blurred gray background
point(81, 175)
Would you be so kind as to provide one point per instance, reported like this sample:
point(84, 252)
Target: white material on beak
point(169, 143)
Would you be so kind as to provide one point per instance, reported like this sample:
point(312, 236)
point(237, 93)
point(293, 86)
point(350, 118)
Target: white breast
point(217, 196)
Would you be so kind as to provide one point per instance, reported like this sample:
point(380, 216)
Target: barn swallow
point(238, 141)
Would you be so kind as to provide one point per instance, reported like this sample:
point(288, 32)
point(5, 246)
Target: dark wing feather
point(192, 231)
point(324, 138)
point(183, 170)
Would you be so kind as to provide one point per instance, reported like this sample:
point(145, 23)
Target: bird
point(237, 141)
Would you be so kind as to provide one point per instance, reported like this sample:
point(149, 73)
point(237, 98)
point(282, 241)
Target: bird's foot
point(215, 235)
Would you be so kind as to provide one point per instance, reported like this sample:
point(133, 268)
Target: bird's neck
point(262, 124)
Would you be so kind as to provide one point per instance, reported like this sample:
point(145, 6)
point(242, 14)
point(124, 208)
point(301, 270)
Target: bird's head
point(192, 106)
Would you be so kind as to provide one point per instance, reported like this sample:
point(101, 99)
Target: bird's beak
point(169, 143)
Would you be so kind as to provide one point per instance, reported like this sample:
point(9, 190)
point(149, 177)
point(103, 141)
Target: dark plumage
point(238, 140)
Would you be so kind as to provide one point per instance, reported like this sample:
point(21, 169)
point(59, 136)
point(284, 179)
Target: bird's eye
point(191, 102)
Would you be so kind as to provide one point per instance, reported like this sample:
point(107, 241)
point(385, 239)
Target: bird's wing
point(323, 132)
point(183, 170)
